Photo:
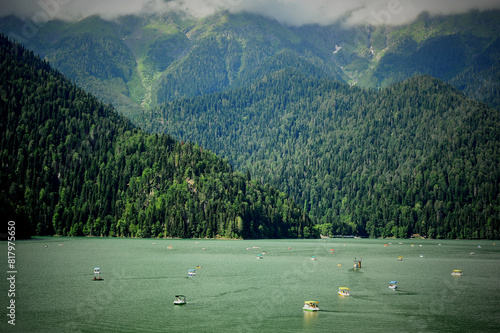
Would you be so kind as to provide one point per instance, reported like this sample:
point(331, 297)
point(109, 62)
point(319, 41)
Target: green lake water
point(235, 292)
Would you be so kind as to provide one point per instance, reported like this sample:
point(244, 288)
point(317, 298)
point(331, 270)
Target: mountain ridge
point(172, 57)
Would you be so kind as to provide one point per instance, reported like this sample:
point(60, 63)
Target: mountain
point(415, 157)
point(371, 130)
point(140, 62)
point(71, 165)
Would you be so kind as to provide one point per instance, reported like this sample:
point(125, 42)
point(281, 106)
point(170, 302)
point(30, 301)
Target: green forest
point(71, 165)
point(417, 157)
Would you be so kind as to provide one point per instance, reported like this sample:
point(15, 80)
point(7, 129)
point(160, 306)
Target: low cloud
point(290, 12)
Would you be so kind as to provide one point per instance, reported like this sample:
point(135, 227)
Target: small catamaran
point(393, 285)
point(310, 306)
point(97, 274)
point(180, 300)
point(344, 291)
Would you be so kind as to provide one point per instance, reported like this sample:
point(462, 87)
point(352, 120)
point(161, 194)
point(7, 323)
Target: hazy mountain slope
point(70, 165)
point(142, 61)
point(414, 157)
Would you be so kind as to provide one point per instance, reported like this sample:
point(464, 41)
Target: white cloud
point(291, 12)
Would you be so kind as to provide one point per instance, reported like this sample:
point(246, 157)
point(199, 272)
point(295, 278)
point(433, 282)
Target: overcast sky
point(291, 12)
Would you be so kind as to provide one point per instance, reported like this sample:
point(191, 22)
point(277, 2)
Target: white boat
point(393, 285)
point(344, 291)
point(97, 274)
point(260, 256)
point(180, 300)
point(421, 255)
point(191, 272)
point(310, 306)
point(457, 272)
point(313, 258)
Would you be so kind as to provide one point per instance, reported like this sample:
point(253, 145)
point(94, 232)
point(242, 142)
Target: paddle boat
point(191, 272)
point(260, 256)
point(313, 258)
point(421, 255)
point(393, 285)
point(97, 274)
point(310, 306)
point(457, 272)
point(344, 291)
point(400, 258)
point(180, 300)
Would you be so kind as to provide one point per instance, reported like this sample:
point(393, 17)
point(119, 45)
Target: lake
point(234, 292)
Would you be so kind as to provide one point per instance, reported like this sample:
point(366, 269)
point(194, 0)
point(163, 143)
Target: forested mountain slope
point(138, 62)
point(70, 165)
point(416, 157)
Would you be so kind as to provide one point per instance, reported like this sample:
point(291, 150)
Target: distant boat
point(191, 272)
point(400, 258)
point(180, 300)
point(457, 272)
point(421, 255)
point(344, 291)
point(310, 306)
point(393, 285)
point(260, 256)
point(313, 258)
point(97, 274)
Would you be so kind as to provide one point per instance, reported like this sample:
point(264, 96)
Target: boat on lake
point(260, 256)
point(457, 272)
point(97, 274)
point(313, 258)
point(310, 306)
point(180, 300)
point(344, 291)
point(191, 272)
point(393, 285)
